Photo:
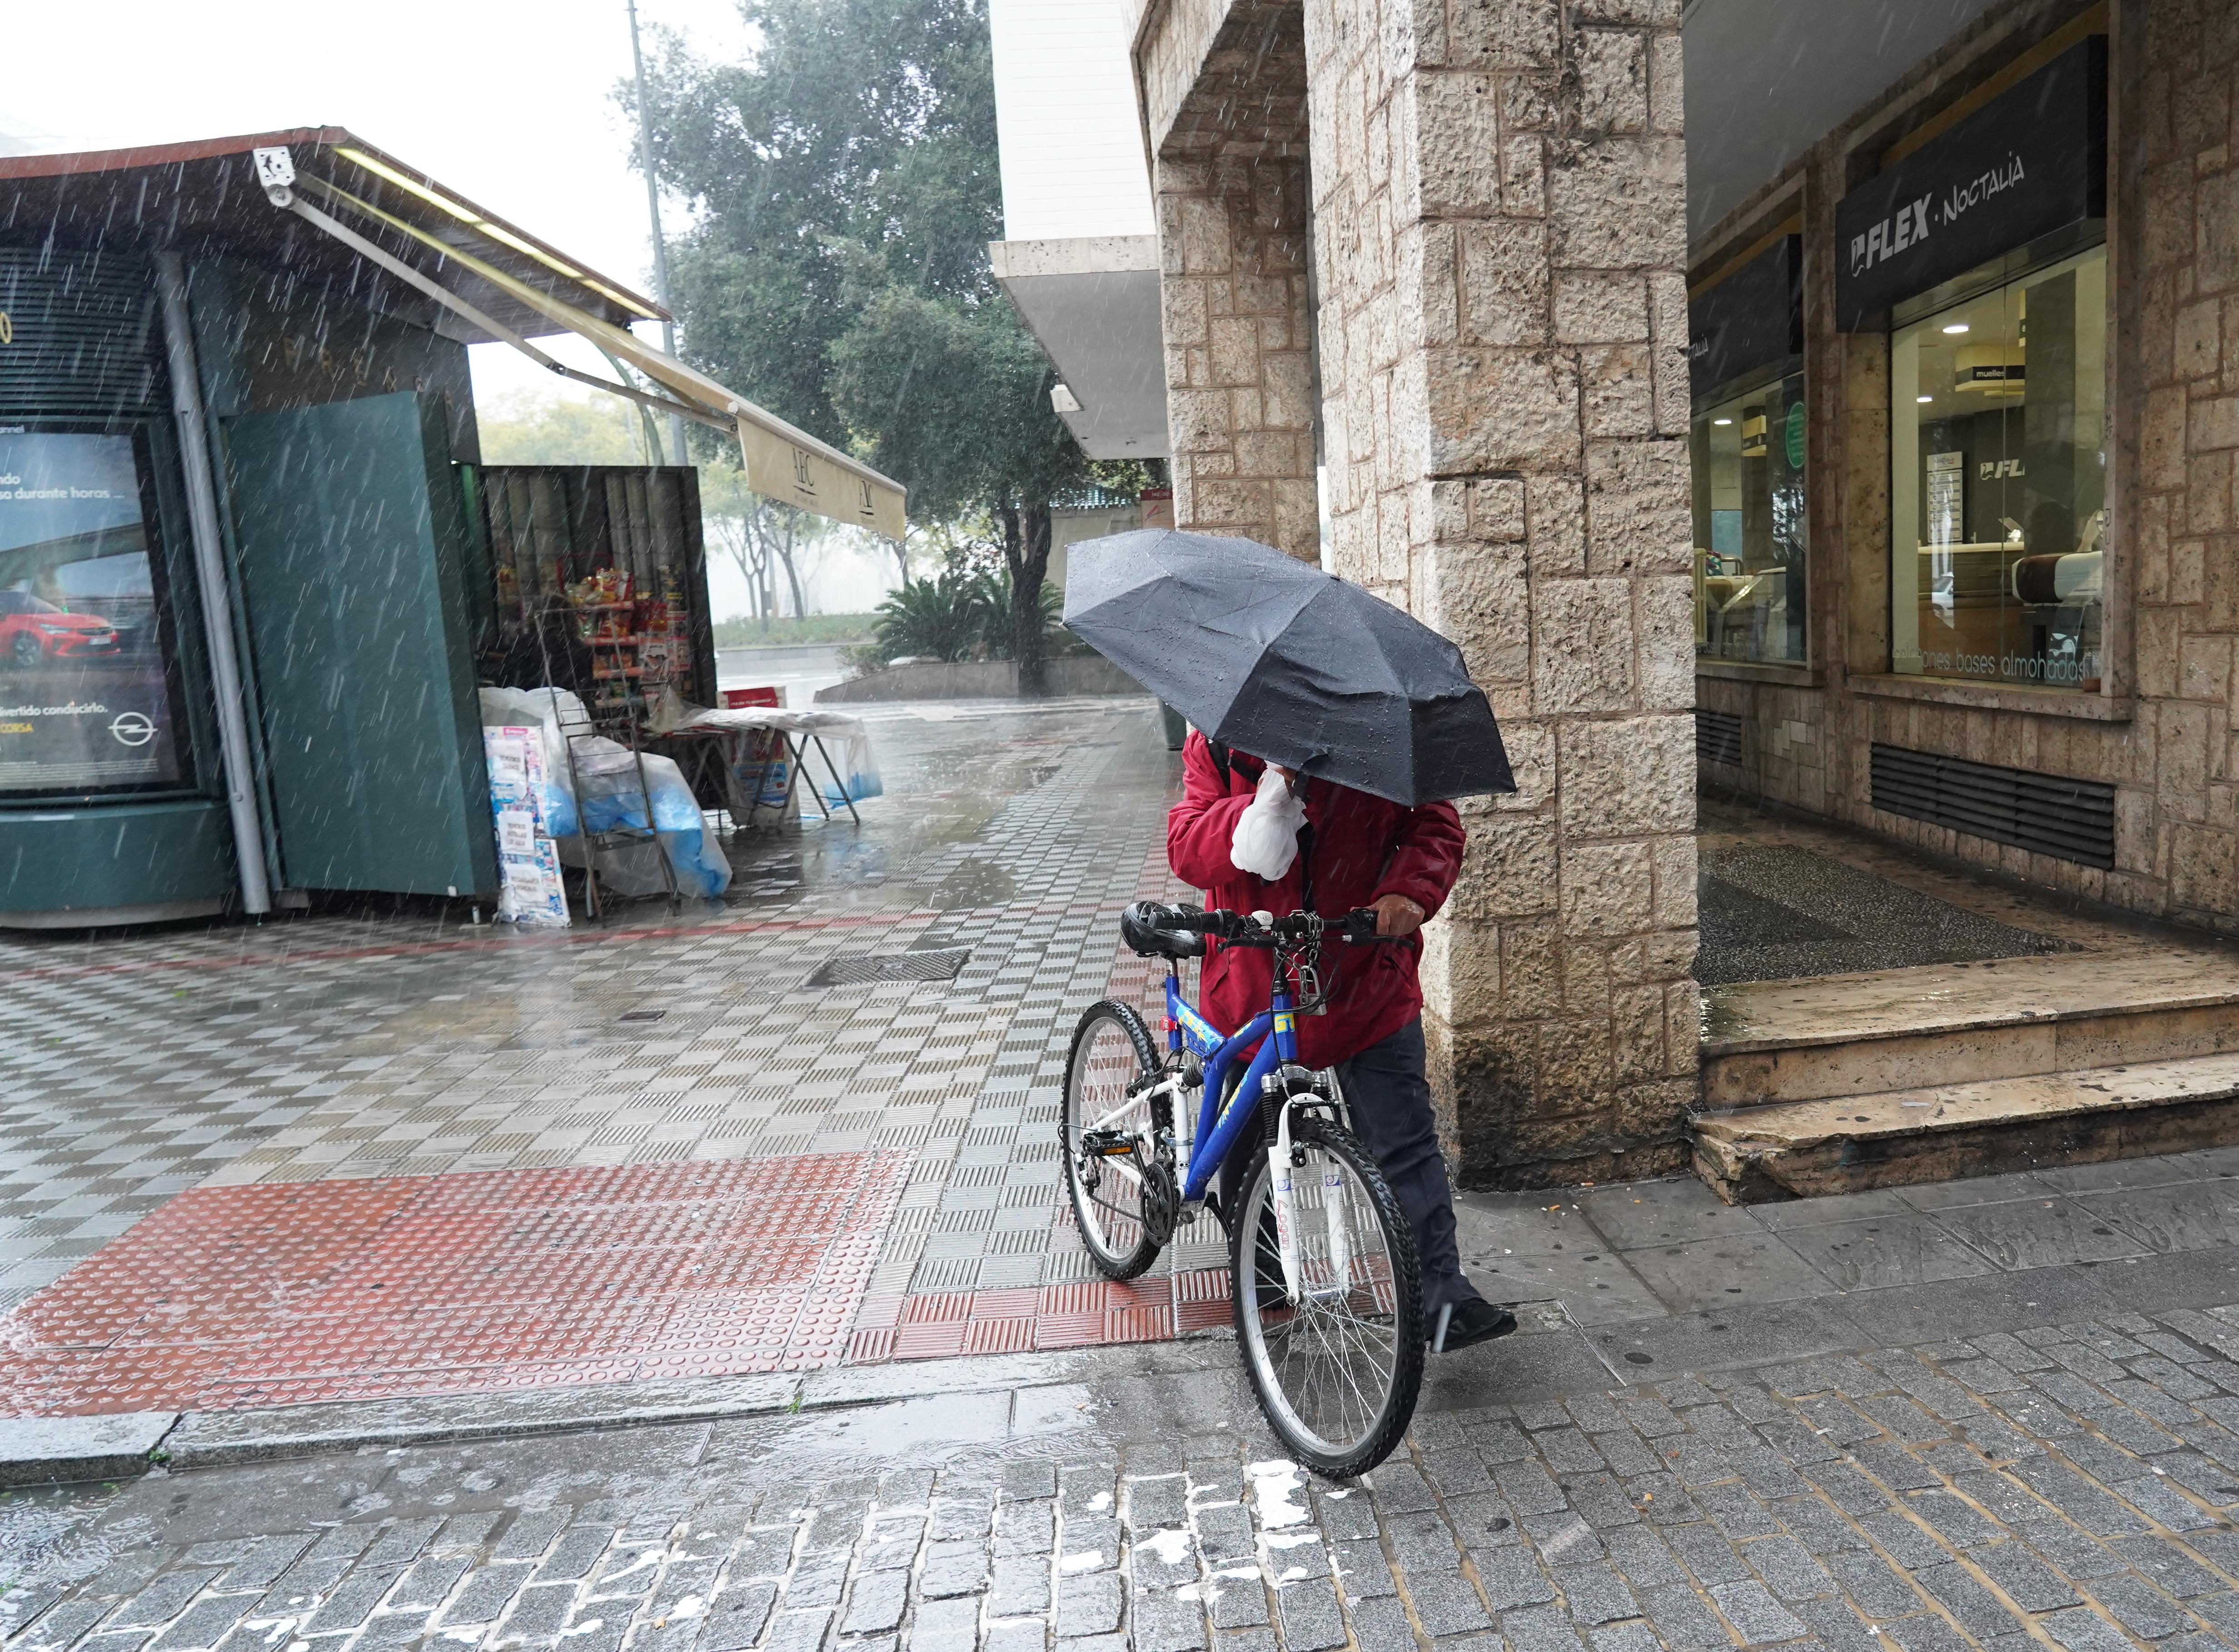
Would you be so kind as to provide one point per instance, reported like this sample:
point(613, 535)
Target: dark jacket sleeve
point(1426, 856)
point(1198, 827)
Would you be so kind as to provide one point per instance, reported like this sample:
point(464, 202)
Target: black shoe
point(1468, 1323)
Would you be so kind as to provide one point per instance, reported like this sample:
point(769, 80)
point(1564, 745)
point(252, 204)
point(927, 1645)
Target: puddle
point(976, 883)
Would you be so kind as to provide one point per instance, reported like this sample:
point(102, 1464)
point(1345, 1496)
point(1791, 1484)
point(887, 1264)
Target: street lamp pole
point(653, 208)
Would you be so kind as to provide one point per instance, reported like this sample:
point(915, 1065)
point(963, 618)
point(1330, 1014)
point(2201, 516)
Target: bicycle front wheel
point(1108, 1134)
point(1336, 1370)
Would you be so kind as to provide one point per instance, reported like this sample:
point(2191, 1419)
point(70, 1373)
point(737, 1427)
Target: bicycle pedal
point(1106, 1143)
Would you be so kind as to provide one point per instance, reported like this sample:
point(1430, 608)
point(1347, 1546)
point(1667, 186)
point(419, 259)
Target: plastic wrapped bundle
point(611, 796)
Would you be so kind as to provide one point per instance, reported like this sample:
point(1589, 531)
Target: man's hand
point(1397, 916)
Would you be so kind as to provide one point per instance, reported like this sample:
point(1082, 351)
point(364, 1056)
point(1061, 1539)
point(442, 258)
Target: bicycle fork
point(1335, 1229)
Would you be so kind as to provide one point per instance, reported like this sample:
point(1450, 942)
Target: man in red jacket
point(1355, 850)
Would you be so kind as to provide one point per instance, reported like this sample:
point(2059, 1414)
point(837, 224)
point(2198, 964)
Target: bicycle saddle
point(1139, 928)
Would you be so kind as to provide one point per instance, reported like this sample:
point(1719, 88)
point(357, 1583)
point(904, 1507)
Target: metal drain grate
point(868, 969)
point(1718, 737)
point(2048, 813)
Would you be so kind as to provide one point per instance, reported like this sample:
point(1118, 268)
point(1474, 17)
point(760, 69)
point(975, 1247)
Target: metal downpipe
point(211, 572)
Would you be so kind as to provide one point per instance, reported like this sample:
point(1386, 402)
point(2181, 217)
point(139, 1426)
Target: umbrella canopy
point(1277, 658)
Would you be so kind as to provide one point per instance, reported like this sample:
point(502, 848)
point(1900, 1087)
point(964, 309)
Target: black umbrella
point(1289, 664)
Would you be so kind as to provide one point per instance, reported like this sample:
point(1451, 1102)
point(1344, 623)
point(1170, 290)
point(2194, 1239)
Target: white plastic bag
point(612, 795)
point(849, 750)
point(1265, 840)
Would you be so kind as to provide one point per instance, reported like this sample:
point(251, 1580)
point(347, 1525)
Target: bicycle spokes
point(1123, 1207)
point(1332, 1353)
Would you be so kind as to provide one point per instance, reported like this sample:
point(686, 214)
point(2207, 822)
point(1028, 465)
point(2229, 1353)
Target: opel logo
point(133, 729)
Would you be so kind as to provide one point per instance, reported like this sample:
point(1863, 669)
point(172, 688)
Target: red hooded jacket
point(1364, 848)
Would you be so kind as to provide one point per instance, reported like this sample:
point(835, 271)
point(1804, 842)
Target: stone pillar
point(1499, 191)
point(1239, 403)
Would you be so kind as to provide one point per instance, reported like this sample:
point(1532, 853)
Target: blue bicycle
point(1322, 1277)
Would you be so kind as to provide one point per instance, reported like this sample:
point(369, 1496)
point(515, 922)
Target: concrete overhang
point(1091, 303)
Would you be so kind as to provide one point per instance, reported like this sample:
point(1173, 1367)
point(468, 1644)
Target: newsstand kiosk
point(247, 576)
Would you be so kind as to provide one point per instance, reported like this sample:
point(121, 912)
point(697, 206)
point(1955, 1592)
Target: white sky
point(506, 102)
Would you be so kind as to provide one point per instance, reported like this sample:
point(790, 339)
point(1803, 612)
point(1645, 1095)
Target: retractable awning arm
point(782, 462)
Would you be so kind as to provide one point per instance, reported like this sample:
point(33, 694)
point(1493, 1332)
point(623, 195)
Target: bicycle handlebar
point(1265, 929)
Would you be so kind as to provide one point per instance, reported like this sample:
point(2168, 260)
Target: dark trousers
point(1389, 1100)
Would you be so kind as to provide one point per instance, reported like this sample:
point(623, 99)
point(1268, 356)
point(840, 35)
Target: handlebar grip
point(1187, 919)
point(1360, 925)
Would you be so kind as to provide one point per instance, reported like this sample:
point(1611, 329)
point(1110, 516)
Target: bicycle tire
point(1104, 1222)
point(1384, 1426)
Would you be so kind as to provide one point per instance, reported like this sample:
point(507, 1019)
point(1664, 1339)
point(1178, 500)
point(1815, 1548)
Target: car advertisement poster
point(85, 702)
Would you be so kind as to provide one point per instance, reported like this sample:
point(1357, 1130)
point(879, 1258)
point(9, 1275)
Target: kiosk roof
point(203, 197)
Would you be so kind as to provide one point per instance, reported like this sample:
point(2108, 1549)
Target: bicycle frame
point(1218, 1129)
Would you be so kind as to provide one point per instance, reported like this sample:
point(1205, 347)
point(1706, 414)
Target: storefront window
point(1747, 453)
point(1999, 477)
point(87, 696)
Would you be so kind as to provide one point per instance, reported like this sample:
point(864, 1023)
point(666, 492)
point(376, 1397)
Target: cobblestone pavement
point(2069, 1486)
point(333, 1048)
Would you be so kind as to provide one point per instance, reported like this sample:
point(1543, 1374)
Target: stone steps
point(1837, 1035)
point(1848, 1144)
point(1841, 1083)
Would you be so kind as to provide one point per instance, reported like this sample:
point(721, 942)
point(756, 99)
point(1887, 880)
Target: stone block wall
point(1239, 370)
point(2163, 734)
point(1499, 204)
point(1225, 95)
point(2184, 122)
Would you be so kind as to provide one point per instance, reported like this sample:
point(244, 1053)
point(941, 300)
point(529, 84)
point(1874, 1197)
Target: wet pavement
point(1635, 1260)
point(330, 1052)
point(2069, 1485)
point(1976, 1415)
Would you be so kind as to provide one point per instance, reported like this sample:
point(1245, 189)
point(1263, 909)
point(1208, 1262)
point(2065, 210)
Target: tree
point(524, 428)
point(906, 375)
point(856, 151)
point(848, 182)
point(761, 535)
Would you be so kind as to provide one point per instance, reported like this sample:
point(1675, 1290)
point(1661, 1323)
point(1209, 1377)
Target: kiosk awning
point(494, 281)
point(781, 461)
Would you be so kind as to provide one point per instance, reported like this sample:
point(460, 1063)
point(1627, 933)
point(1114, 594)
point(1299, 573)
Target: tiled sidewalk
point(333, 1051)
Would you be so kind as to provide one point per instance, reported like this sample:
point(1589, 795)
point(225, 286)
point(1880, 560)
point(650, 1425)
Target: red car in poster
point(32, 630)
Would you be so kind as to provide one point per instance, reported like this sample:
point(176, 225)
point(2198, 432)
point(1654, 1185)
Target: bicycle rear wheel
point(1111, 1051)
point(1336, 1371)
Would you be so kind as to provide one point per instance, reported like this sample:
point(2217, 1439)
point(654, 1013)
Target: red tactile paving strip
point(469, 1283)
point(942, 1325)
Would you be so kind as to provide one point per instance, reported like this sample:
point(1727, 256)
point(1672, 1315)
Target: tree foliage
point(524, 428)
point(846, 181)
point(957, 615)
point(764, 538)
point(855, 152)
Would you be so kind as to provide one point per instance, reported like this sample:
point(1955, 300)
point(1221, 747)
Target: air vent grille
point(83, 334)
point(867, 969)
point(2047, 815)
point(1718, 737)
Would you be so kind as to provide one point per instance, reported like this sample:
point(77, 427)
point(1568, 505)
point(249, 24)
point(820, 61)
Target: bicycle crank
point(1162, 1202)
